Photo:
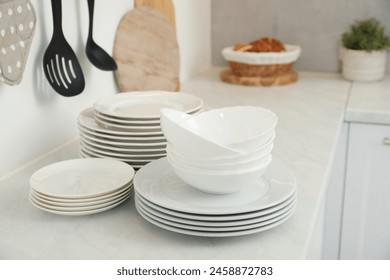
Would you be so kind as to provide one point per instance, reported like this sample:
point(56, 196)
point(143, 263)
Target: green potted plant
point(364, 51)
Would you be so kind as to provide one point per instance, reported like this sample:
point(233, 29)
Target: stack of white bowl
point(222, 150)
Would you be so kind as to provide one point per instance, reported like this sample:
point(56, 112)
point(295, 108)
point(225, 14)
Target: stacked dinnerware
point(218, 178)
point(126, 126)
point(164, 200)
point(81, 186)
point(221, 150)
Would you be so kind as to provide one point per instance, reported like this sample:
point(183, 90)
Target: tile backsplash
point(315, 25)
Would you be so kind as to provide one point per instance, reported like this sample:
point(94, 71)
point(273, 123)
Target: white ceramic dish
point(142, 157)
point(125, 149)
point(234, 223)
point(129, 122)
point(219, 218)
point(86, 120)
point(44, 204)
point(213, 228)
point(217, 167)
point(135, 165)
point(188, 142)
point(157, 183)
point(126, 144)
point(290, 55)
point(146, 105)
point(125, 127)
point(79, 213)
point(81, 178)
point(79, 202)
point(214, 234)
point(240, 128)
point(219, 182)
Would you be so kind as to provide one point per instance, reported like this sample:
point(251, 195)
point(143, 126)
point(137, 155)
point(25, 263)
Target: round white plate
point(80, 202)
point(81, 178)
point(125, 139)
point(125, 149)
point(218, 218)
point(214, 234)
point(128, 144)
point(141, 156)
point(158, 183)
point(79, 213)
point(43, 204)
point(125, 127)
point(146, 104)
point(227, 223)
point(212, 228)
point(129, 122)
point(86, 119)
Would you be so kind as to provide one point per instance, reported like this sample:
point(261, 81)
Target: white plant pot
point(363, 66)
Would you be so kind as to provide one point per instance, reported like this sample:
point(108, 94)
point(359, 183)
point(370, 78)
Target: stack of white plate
point(81, 186)
point(126, 126)
point(166, 201)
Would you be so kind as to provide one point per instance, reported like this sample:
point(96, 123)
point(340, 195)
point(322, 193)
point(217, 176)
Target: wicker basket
point(259, 70)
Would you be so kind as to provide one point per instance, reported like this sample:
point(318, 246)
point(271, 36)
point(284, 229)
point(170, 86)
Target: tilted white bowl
point(188, 142)
point(217, 168)
point(219, 183)
point(240, 128)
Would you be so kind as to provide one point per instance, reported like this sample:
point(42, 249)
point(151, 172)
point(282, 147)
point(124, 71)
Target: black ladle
point(60, 64)
point(95, 53)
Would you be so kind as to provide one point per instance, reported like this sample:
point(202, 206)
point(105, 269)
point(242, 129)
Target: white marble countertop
point(310, 114)
point(369, 102)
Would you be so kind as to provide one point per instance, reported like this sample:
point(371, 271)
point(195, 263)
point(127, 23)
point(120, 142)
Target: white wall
point(34, 119)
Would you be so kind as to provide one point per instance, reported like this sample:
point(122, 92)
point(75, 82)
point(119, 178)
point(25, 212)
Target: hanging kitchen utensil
point(95, 53)
point(146, 50)
point(17, 27)
point(60, 64)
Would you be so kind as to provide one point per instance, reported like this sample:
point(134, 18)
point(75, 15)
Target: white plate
point(219, 218)
point(146, 104)
point(157, 183)
point(135, 165)
point(141, 156)
point(125, 139)
point(128, 144)
point(80, 202)
point(125, 149)
point(213, 228)
point(79, 213)
point(81, 178)
point(86, 119)
point(125, 127)
point(228, 223)
point(214, 234)
point(43, 204)
point(129, 122)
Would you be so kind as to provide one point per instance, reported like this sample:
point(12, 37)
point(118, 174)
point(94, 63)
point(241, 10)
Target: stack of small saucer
point(81, 186)
point(126, 126)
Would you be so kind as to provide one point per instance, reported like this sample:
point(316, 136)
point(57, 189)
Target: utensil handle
point(56, 7)
point(91, 5)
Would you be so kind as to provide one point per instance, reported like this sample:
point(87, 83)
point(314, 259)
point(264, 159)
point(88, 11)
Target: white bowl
point(219, 183)
point(258, 58)
point(218, 168)
point(189, 143)
point(241, 128)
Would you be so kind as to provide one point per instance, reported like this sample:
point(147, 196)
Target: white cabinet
point(365, 230)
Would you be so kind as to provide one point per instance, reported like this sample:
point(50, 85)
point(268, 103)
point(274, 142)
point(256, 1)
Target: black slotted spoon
point(61, 66)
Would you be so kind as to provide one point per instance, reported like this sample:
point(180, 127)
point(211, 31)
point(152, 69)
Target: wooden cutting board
point(164, 6)
point(146, 49)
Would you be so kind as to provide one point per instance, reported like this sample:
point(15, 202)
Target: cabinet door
point(366, 217)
